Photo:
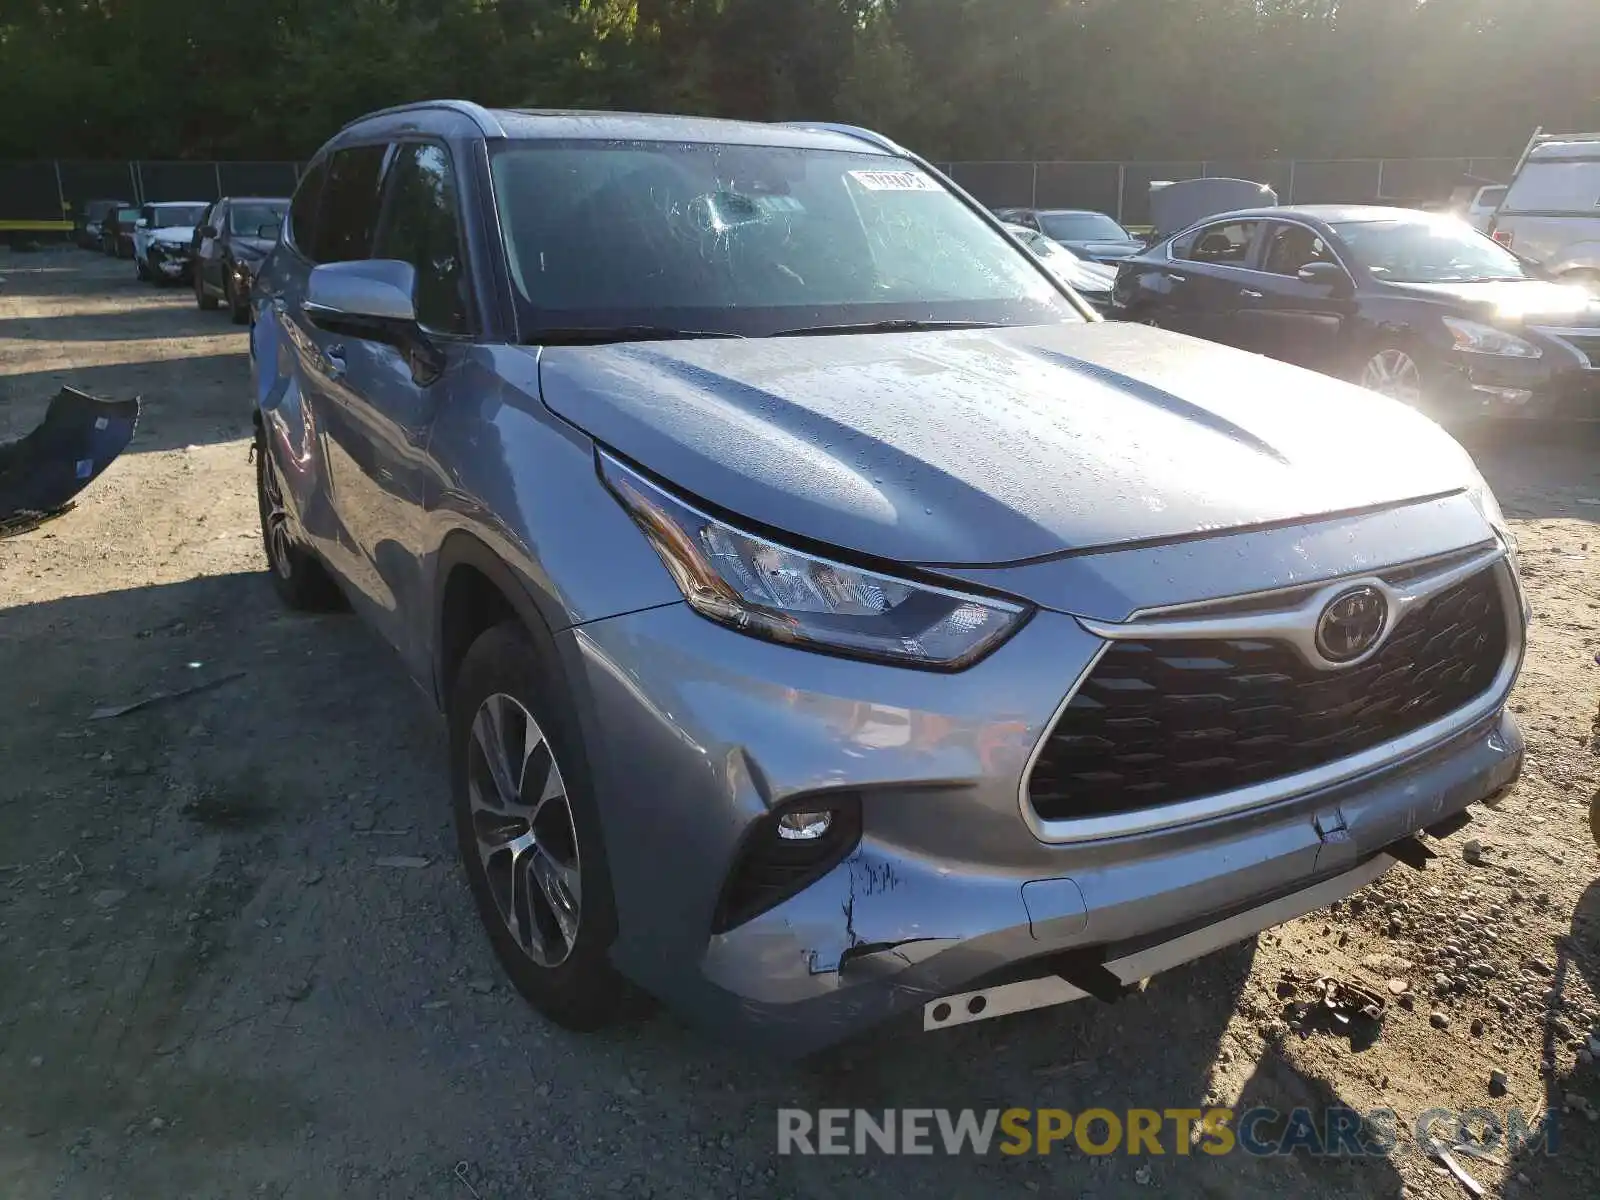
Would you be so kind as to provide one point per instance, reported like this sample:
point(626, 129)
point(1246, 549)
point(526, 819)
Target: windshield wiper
point(603, 335)
point(886, 327)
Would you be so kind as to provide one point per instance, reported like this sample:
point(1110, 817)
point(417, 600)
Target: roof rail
point(488, 124)
point(854, 131)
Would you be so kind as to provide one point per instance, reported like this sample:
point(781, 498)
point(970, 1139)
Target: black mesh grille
point(1159, 722)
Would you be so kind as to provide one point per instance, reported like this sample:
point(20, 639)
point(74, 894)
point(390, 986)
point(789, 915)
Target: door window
point(348, 215)
point(421, 226)
point(1291, 247)
point(1222, 245)
point(303, 209)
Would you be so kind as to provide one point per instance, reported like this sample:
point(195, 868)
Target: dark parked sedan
point(1418, 306)
point(1087, 233)
point(234, 236)
point(116, 232)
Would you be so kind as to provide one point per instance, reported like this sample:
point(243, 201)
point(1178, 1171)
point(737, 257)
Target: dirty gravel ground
point(212, 986)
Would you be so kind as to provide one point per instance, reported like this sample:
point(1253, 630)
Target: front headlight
point(770, 591)
point(1474, 338)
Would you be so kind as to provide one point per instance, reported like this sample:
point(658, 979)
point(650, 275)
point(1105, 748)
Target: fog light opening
point(804, 826)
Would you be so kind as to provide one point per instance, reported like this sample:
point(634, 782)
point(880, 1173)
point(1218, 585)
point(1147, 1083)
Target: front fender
point(519, 499)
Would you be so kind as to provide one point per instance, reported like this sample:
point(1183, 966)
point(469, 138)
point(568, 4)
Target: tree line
point(955, 79)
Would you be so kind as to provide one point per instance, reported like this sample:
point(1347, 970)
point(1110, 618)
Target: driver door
point(1286, 317)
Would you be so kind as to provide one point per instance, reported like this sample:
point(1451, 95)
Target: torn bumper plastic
point(42, 473)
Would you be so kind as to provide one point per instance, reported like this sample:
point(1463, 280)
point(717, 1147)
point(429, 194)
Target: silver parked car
point(1550, 213)
point(832, 617)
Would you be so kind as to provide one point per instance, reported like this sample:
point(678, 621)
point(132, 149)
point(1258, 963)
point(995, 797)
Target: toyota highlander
point(832, 616)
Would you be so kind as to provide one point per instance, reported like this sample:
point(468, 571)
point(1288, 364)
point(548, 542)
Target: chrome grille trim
point(1169, 622)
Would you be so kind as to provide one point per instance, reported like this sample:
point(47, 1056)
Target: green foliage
point(1128, 79)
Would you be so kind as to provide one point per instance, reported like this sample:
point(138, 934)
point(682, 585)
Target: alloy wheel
point(522, 823)
point(1395, 374)
point(279, 548)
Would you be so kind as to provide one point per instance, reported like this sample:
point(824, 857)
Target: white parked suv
point(162, 237)
point(1551, 211)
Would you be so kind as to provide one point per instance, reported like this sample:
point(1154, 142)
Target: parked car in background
point(1087, 233)
point(1089, 279)
point(832, 618)
point(161, 239)
point(234, 237)
point(90, 219)
point(116, 232)
point(1417, 306)
point(1551, 210)
point(1178, 205)
point(1481, 208)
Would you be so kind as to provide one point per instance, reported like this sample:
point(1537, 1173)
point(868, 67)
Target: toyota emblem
point(1351, 624)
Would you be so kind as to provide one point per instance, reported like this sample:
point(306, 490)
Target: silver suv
point(1551, 211)
point(833, 617)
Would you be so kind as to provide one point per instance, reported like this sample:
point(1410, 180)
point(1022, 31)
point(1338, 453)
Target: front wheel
point(238, 310)
point(529, 831)
point(202, 298)
point(1392, 372)
point(299, 579)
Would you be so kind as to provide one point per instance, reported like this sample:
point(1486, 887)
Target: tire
point(507, 694)
point(240, 313)
point(301, 582)
point(202, 299)
point(1393, 371)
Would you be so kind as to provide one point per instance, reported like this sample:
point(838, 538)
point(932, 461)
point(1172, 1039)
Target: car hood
point(1106, 249)
point(1530, 300)
point(253, 245)
point(173, 233)
point(1091, 276)
point(1181, 204)
point(991, 446)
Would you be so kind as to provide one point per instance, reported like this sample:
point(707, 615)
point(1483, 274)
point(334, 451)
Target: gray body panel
point(992, 446)
point(1094, 471)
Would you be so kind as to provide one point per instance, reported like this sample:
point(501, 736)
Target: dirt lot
point(215, 980)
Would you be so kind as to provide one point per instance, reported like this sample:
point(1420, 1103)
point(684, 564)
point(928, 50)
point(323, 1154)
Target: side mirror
point(207, 231)
point(373, 297)
point(1327, 274)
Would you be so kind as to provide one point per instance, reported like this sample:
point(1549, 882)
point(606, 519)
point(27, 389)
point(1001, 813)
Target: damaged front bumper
point(80, 436)
point(696, 735)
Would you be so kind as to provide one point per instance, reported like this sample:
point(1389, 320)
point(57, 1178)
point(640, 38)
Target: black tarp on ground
point(78, 439)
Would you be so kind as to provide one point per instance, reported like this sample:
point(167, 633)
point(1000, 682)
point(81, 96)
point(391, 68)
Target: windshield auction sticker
point(894, 181)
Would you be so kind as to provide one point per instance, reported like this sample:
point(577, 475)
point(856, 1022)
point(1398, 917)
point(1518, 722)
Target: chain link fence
point(45, 194)
point(1123, 188)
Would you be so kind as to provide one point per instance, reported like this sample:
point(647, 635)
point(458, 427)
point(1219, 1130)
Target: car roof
point(1583, 148)
point(528, 124)
point(255, 199)
point(1327, 213)
point(549, 124)
point(178, 203)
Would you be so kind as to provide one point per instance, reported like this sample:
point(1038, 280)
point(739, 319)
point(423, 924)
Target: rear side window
point(348, 215)
point(1223, 245)
point(303, 209)
point(1559, 187)
point(421, 226)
